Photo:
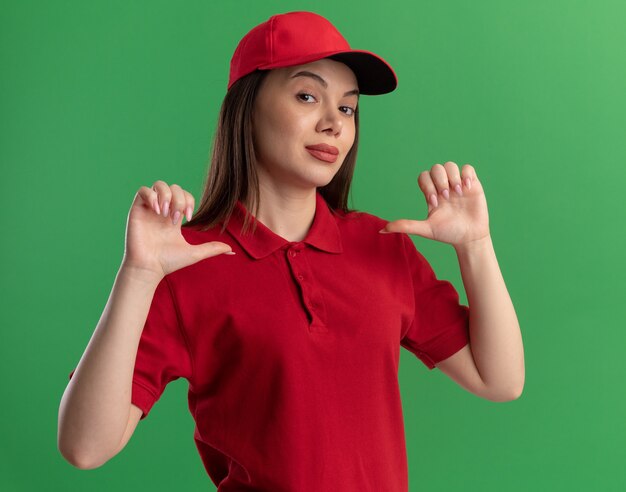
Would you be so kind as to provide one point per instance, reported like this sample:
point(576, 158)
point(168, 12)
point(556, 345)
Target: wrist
point(139, 274)
point(476, 245)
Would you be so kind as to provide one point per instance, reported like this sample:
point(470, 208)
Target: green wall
point(98, 98)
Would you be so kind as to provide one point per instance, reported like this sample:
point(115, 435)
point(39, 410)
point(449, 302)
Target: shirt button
point(292, 253)
point(300, 277)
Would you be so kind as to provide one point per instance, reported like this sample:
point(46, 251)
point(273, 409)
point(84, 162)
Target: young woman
point(291, 344)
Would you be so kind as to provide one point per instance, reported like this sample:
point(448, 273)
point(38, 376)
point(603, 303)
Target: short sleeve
point(162, 354)
point(440, 325)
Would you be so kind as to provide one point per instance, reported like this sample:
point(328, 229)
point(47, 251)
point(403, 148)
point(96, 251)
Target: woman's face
point(300, 106)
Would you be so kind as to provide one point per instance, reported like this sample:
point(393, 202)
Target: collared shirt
point(291, 350)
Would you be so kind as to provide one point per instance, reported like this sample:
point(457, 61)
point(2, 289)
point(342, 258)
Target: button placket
point(301, 271)
point(315, 300)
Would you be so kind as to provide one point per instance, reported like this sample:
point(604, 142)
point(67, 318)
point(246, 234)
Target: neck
point(287, 214)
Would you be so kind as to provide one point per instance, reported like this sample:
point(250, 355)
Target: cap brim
point(374, 75)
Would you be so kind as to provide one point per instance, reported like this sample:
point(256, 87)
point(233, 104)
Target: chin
point(315, 180)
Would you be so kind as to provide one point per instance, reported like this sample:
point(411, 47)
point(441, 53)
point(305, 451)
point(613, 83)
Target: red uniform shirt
point(291, 350)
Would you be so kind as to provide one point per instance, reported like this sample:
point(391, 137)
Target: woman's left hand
point(454, 218)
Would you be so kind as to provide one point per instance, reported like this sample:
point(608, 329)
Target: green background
point(99, 98)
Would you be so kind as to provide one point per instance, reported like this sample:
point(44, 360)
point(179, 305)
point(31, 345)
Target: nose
point(330, 121)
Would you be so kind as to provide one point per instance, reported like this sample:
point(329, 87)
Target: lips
point(322, 156)
point(329, 149)
point(323, 152)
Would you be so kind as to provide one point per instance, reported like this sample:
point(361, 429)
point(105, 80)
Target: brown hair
point(232, 174)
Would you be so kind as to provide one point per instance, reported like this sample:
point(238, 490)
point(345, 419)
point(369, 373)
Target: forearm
point(95, 406)
point(496, 340)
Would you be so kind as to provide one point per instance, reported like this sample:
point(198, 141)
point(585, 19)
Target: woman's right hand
point(154, 243)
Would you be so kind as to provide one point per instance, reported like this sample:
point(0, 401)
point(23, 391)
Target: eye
point(302, 95)
point(305, 94)
point(351, 110)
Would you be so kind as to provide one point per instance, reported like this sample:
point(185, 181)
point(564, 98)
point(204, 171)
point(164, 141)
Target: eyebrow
point(305, 73)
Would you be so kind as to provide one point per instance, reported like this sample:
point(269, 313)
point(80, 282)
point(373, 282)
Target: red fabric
point(291, 350)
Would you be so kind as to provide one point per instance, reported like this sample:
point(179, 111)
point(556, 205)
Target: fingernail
point(433, 200)
point(446, 194)
point(230, 253)
point(383, 231)
point(156, 207)
point(468, 183)
point(166, 209)
point(458, 190)
point(188, 213)
point(176, 215)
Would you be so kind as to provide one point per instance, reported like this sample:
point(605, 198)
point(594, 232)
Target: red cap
point(295, 38)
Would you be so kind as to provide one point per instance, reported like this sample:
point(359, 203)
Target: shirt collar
point(323, 233)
